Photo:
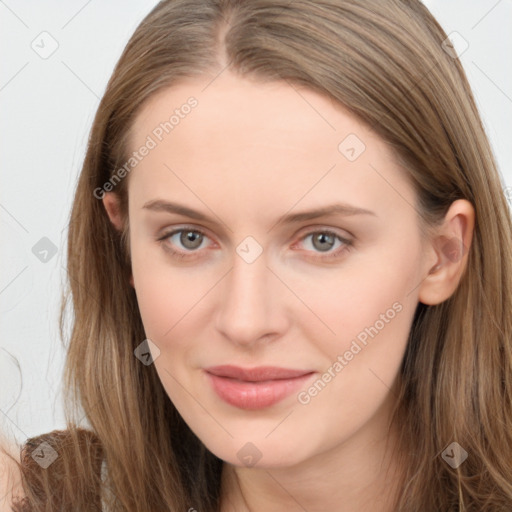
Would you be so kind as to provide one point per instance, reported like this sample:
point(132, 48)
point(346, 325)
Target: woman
point(224, 362)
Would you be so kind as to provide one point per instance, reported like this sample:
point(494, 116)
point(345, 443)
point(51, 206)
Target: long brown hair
point(385, 62)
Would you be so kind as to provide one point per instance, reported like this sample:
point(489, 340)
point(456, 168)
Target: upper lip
point(257, 374)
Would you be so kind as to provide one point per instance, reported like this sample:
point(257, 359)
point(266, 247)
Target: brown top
point(59, 470)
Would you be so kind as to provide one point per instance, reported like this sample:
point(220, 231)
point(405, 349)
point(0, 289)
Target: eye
point(188, 240)
point(323, 241)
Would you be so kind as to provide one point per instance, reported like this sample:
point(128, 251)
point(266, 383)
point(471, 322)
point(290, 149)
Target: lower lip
point(255, 395)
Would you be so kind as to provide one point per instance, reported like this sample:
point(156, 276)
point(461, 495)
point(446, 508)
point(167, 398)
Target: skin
point(10, 478)
point(247, 154)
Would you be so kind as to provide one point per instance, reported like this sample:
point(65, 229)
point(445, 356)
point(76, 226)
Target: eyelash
point(347, 244)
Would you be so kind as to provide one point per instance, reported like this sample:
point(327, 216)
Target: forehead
point(233, 110)
point(275, 139)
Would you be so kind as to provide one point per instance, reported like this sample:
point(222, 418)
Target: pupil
point(191, 240)
point(322, 237)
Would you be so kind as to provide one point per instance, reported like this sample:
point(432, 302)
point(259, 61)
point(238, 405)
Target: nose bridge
point(248, 307)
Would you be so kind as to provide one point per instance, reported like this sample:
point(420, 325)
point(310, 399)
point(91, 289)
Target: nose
point(252, 305)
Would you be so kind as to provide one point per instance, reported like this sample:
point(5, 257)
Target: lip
point(255, 388)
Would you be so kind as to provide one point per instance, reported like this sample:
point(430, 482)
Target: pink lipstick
point(255, 388)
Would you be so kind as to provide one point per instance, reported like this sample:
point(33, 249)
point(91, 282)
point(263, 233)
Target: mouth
point(255, 388)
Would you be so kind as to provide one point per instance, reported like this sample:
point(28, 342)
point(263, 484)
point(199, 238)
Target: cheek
point(159, 296)
point(358, 380)
point(156, 296)
point(370, 308)
point(171, 298)
point(365, 298)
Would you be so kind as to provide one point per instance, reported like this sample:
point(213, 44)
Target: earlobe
point(111, 204)
point(451, 245)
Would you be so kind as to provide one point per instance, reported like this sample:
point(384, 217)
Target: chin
point(261, 454)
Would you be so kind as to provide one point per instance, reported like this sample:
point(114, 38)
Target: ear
point(111, 204)
point(450, 250)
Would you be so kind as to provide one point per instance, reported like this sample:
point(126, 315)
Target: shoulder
point(10, 476)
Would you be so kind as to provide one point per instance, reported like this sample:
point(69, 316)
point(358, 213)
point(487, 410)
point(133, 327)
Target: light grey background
point(47, 107)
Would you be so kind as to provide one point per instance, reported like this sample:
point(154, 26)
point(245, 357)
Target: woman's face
point(251, 278)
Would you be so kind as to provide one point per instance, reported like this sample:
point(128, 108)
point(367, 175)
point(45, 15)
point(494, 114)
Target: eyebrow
point(159, 205)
